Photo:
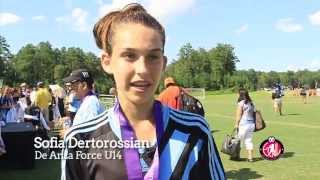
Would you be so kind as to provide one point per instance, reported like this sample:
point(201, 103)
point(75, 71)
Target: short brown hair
point(132, 13)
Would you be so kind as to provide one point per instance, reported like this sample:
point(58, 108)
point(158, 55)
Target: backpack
point(189, 103)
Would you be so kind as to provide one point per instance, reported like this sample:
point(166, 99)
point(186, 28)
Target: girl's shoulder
point(90, 127)
point(188, 120)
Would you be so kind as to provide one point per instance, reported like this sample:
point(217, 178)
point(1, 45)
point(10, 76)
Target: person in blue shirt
point(277, 98)
point(82, 84)
point(6, 103)
point(73, 104)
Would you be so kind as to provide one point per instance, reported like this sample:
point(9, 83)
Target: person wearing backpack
point(178, 98)
point(245, 121)
point(170, 96)
point(277, 98)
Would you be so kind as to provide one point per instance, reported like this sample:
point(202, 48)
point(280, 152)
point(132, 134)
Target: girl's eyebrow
point(150, 50)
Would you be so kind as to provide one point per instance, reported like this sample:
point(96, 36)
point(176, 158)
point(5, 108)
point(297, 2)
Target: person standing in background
point(23, 90)
point(277, 98)
point(43, 99)
point(82, 84)
point(33, 92)
point(6, 103)
point(170, 96)
point(304, 93)
point(245, 121)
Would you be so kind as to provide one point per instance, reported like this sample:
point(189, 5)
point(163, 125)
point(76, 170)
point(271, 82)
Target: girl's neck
point(137, 113)
point(140, 117)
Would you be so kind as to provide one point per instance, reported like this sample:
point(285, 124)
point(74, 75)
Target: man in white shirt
point(33, 95)
point(81, 83)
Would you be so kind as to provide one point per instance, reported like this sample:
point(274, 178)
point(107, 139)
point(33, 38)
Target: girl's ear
point(165, 59)
point(106, 62)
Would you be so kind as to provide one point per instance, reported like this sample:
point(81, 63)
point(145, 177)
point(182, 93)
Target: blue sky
point(268, 35)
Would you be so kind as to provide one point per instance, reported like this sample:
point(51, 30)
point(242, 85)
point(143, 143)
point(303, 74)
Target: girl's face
point(137, 62)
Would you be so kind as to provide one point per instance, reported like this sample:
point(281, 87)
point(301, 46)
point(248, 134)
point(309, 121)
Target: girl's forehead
point(134, 33)
point(131, 26)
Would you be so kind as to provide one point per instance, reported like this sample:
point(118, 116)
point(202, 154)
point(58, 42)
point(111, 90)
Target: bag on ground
point(231, 144)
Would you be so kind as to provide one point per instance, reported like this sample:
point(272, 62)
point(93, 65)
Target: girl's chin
point(141, 98)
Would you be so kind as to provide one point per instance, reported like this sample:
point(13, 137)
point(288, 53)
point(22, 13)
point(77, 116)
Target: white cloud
point(77, 19)
point(8, 18)
point(164, 9)
point(312, 65)
point(287, 25)
point(315, 18)
point(39, 18)
point(115, 5)
point(160, 9)
point(242, 29)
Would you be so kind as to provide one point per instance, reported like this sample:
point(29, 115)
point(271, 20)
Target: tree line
point(215, 69)
point(42, 62)
point(212, 69)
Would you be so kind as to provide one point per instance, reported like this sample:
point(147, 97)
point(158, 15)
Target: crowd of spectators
point(41, 105)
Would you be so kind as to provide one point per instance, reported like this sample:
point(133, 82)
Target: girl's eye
point(153, 57)
point(129, 56)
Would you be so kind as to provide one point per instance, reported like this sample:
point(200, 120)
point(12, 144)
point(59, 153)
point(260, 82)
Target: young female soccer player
point(180, 145)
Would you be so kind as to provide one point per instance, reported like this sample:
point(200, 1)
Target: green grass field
point(298, 130)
